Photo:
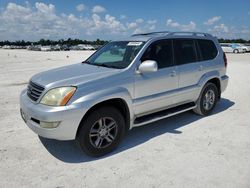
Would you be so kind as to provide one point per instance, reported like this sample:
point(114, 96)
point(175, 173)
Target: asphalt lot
point(182, 151)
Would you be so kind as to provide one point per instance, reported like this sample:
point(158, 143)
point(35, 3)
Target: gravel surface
point(182, 151)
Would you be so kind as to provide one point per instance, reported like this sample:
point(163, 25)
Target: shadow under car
point(68, 151)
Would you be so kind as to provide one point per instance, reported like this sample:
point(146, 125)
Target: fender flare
point(208, 76)
point(94, 98)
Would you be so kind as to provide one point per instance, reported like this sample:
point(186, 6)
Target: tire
point(208, 99)
point(236, 51)
point(101, 132)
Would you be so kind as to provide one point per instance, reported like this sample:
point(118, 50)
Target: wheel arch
point(118, 103)
point(212, 77)
point(216, 81)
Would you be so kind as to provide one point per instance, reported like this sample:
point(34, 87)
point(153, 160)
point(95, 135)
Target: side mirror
point(148, 66)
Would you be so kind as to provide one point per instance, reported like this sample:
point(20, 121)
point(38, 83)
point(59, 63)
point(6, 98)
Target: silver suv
point(126, 83)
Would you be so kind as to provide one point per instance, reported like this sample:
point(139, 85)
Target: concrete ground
point(182, 151)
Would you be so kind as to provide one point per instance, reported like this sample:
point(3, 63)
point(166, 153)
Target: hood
point(72, 75)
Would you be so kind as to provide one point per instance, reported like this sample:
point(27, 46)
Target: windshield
point(116, 54)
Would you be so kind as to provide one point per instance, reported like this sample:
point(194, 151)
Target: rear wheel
point(101, 131)
point(207, 100)
point(236, 51)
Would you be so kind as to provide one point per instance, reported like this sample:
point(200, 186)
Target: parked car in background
point(232, 48)
point(82, 47)
point(56, 47)
point(65, 47)
point(46, 48)
point(242, 46)
point(34, 47)
point(6, 47)
point(248, 47)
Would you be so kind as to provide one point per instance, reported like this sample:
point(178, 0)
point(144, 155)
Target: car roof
point(167, 34)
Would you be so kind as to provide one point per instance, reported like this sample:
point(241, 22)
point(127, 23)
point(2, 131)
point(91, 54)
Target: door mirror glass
point(148, 66)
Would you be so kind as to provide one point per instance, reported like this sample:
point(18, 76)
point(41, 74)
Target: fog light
point(48, 125)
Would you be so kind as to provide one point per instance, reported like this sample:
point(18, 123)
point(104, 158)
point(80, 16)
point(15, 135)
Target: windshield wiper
point(87, 62)
point(106, 65)
point(101, 64)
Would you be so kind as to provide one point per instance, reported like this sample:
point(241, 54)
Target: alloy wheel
point(103, 132)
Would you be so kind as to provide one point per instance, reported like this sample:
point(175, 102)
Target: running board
point(163, 114)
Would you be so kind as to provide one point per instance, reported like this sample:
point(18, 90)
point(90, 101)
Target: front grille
point(34, 91)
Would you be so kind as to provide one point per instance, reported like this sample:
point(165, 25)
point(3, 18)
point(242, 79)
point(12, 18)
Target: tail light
point(225, 59)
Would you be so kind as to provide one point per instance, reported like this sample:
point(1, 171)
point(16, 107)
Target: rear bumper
point(224, 83)
point(69, 118)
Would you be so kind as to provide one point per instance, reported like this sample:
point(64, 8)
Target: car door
point(154, 91)
point(229, 48)
point(189, 69)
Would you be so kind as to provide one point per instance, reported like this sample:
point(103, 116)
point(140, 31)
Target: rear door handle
point(200, 68)
point(173, 74)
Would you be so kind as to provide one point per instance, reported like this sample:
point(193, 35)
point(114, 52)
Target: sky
point(112, 19)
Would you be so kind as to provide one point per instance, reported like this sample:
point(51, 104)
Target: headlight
point(58, 96)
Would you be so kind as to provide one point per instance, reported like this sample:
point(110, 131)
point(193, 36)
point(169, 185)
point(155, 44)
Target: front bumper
point(224, 83)
point(69, 118)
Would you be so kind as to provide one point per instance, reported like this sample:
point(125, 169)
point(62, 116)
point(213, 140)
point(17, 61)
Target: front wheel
point(207, 100)
point(101, 132)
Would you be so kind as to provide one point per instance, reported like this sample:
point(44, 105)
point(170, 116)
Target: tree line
point(74, 42)
point(44, 42)
point(234, 41)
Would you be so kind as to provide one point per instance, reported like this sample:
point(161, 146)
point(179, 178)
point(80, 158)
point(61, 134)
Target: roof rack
point(151, 33)
point(200, 34)
point(178, 33)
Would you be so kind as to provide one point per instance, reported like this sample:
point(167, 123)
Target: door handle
point(173, 74)
point(200, 68)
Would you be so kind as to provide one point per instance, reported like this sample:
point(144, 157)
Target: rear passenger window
point(184, 51)
point(208, 49)
point(161, 52)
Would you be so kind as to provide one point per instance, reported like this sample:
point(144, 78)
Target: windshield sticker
point(134, 44)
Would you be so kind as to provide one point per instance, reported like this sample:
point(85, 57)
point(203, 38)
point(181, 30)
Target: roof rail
point(175, 33)
point(151, 33)
point(190, 33)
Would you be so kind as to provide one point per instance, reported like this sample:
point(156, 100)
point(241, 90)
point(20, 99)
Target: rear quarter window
point(208, 49)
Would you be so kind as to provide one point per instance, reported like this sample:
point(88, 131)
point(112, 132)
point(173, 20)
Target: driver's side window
point(161, 52)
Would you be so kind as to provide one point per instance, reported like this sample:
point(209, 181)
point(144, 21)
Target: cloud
point(139, 20)
point(151, 27)
point(108, 25)
point(80, 7)
point(122, 17)
point(183, 27)
point(43, 8)
point(231, 32)
point(98, 9)
point(151, 22)
point(23, 23)
point(212, 20)
point(132, 25)
point(222, 28)
point(135, 24)
point(138, 31)
point(42, 21)
point(141, 26)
